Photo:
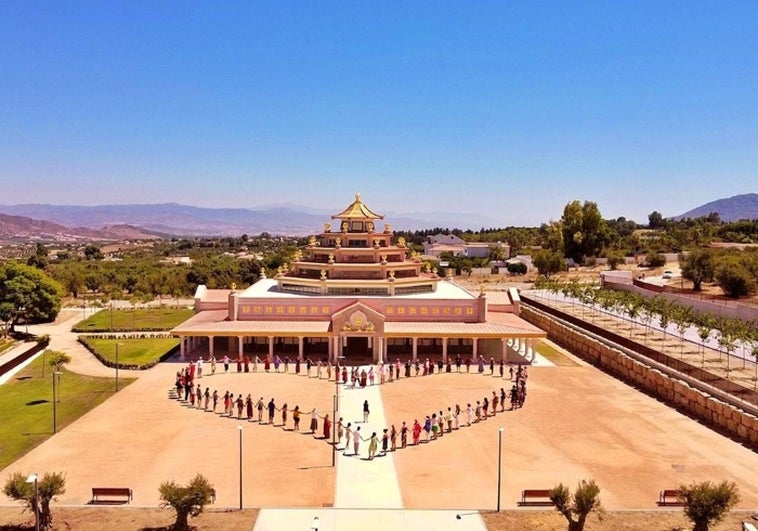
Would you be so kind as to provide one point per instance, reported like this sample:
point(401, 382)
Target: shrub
point(577, 508)
point(707, 503)
point(516, 268)
point(655, 260)
point(734, 279)
point(186, 501)
point(49, 486)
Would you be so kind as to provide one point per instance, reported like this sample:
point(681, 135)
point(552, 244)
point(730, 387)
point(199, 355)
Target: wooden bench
point(112, 495)
point(536, 498)
point(669, 498)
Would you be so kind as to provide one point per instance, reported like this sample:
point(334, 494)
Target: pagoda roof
point(357, 210)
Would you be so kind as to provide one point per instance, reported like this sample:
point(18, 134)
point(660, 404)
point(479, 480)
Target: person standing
point(468, 415)
point(215, 400)
point(457, 363)
point(365, 411)
point(200, 367)
point(348, 434)
point(385, 441)
point(494, 403)
point(249, 405)
point(456, 415)
point(502, 399)
point(240, 405)
point(404, 435)
point(340, 430)
point(271, 410)
point(416, 432)
point(296, 418)
point(327, 427)
point(314, 421)
point(492, 366)
point(213, 364)
point(226, 364)
point(393, 438)
point(449, 419)
point(259, 406)
point(372, 446)
point(284, 415)
point(357, 441)
point(502, 367)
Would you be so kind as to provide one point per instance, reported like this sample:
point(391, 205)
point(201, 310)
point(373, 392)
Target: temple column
point(414, 352)
point(210, 345)
point(270, 347)
point(182, 340)
point(240, 347)
point(474, 348)
point(300, 348)
point(444, 350)
point(379, 350)
point(503, 349)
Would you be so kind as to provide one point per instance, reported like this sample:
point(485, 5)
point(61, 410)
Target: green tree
point(584, 230)
point(576, 508)
point(707, 503)
point(697, 267)
point(48, 487)
point(92, 252)
point(27, 292)
point(548, 262)
point(655, 220)
point(734, 278)
point(58, 359)
point(186, 501)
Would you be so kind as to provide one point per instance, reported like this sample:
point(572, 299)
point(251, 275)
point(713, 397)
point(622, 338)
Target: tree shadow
point(37, 402)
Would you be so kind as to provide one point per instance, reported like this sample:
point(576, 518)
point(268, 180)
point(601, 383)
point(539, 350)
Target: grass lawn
point(550, 352)
point(26, 406)
point(137, 351)
point(5, 344)
point(108, 320)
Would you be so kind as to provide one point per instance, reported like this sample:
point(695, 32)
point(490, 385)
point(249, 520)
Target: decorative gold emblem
point(327, 227)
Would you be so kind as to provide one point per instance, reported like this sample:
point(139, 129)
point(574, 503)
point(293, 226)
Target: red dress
point(327, 428)
point(267, 364)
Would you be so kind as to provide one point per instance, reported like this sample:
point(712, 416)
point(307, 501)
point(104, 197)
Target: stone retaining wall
point(714, 412)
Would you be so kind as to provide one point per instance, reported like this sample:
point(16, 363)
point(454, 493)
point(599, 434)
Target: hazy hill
point(21, 228)
point(734, 208)
point(176, 219)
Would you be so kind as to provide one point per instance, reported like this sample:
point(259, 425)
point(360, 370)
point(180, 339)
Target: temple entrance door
point(357, 350)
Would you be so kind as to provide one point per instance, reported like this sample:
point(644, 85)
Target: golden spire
point(357, 210)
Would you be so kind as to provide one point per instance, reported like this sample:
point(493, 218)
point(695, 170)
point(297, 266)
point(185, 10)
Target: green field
point(26, 406)
point(108, 320)
point(5, 344)
point(132, 353)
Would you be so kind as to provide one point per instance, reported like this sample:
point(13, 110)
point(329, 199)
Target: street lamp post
point(117, 345)
point(499, 463)
point(56, 376)
point(33, 479)
point(239, 428)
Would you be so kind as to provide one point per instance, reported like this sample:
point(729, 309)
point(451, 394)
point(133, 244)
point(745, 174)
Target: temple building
point(357, 294)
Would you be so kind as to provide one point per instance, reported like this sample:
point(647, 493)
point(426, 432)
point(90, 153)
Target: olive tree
point(707, 503)
point(48, 487)
point(186, 501)
point(577, 507)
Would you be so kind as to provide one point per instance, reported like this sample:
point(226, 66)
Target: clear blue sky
point(508, 109)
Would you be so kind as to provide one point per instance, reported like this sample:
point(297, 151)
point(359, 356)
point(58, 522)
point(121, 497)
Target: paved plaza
point(577, 423)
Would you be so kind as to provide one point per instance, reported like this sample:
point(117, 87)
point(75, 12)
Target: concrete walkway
point(367, 493)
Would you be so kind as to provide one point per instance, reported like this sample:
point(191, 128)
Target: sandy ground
point(127, 519)
point(140, 438)
point(153, 519)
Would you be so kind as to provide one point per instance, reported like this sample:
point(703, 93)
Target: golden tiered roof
point(357, 210)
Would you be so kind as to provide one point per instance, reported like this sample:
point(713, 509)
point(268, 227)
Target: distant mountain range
point(183, 220)
point(24, 229)
point(734, 208)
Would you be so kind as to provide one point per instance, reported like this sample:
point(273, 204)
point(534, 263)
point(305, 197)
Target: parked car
point(668, 274)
